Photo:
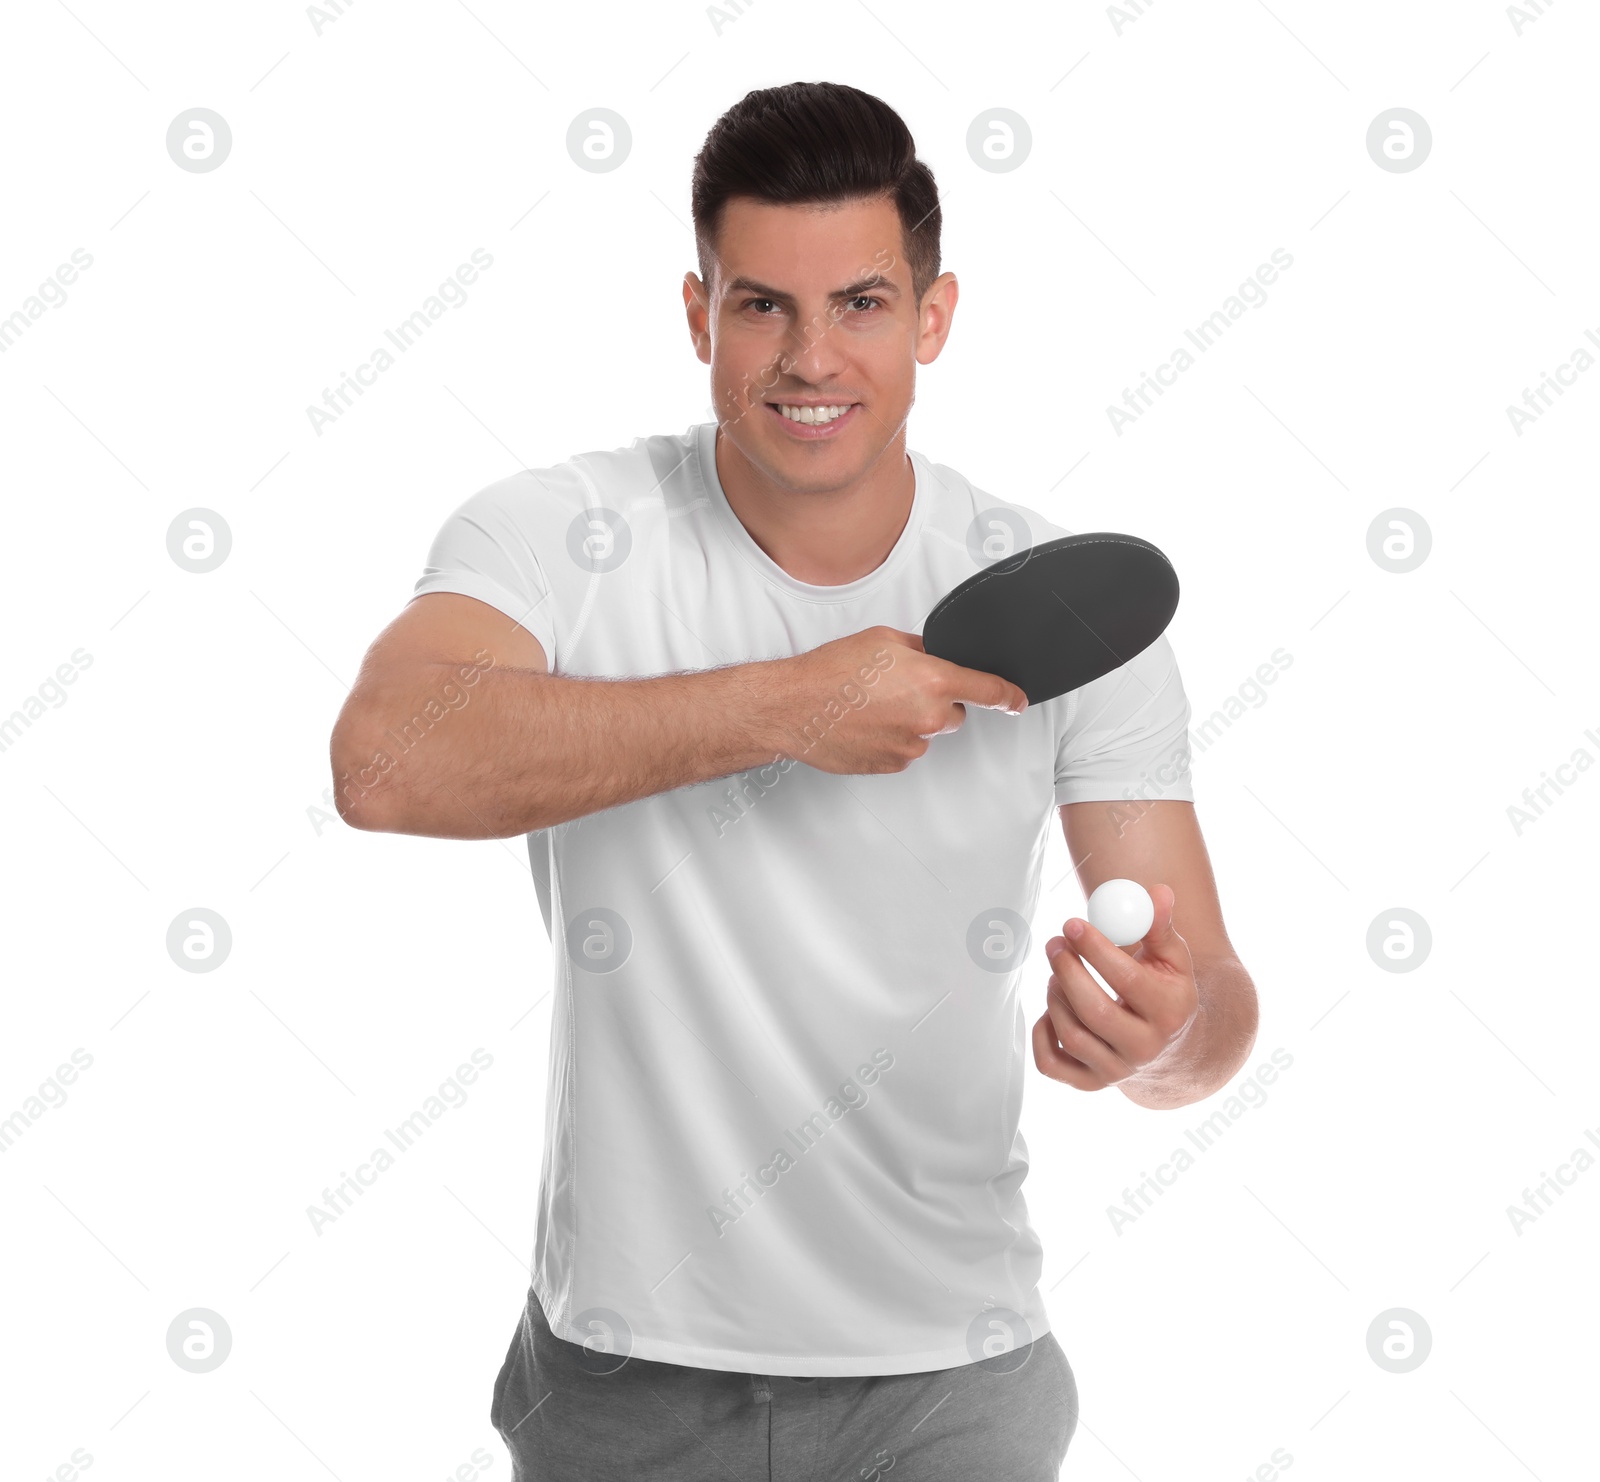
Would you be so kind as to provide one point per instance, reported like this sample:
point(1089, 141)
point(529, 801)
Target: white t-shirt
point(788, 1046)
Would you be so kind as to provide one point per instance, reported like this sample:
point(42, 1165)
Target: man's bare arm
point(456, 728)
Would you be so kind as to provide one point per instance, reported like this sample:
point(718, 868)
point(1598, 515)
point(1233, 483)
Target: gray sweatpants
point(568, 1416)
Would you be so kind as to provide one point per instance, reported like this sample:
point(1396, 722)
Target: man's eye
point(862, 302)
point(754, 302)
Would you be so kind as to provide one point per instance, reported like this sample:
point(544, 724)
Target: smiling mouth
point(813, 420)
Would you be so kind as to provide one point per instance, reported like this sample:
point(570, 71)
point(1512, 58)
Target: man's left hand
point(1089, 1039)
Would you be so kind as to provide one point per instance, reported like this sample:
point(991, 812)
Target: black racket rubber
point(1055, 616)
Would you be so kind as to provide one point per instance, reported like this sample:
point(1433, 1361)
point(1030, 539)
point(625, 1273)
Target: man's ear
point(697, 304)
point(937, 309)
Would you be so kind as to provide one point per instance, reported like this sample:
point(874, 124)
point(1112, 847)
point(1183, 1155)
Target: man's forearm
point(515, 750)
point(1214, 1047)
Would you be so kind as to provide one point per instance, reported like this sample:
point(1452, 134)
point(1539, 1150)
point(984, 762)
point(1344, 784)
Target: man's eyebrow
point(762, 290)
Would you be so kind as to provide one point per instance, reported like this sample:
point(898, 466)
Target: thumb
point(987, 691)
point(1161, 940)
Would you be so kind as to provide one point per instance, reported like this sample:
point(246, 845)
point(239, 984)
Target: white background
point(1171, 154)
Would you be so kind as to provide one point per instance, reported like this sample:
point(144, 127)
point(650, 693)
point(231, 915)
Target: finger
point(1082, 1042)
point(1162, 940)
point(1084, 992)
point(954, 715)
point(1120, 971)
point(1124, 1033)
point(1141, 982)
point(1054, 1062)
point(987, 691)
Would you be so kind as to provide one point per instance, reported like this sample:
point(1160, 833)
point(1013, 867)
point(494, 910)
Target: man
point(783, 855)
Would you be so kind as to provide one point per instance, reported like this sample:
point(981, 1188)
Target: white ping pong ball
point(1121, 910)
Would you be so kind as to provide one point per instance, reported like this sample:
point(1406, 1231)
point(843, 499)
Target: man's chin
point(816, 466)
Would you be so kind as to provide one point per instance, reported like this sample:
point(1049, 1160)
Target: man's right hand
point(870, 702)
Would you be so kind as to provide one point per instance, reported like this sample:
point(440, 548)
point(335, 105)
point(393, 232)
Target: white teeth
point(809, 416)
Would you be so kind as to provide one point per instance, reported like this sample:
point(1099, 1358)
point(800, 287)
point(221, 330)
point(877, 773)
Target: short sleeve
point(486, 549)
point(1126, 734)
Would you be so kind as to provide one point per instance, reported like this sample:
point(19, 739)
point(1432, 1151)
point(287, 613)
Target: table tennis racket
point(1057, 615)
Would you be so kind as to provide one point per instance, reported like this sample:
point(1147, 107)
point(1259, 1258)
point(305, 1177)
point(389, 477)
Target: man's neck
point(825, 537)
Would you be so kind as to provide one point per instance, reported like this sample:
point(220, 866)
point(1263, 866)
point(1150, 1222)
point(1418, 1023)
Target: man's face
point(813, 336)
